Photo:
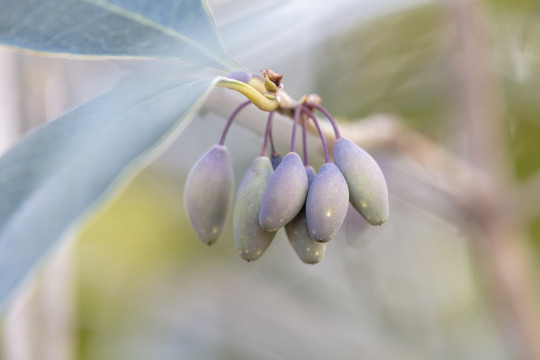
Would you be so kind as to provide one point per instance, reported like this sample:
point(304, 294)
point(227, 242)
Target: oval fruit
point(275, 159)
point(250, 239)
point(240, 75)
point(208, 193)
point(285, 194)
point(327, 203)
point(308, 250)
point(367, 186)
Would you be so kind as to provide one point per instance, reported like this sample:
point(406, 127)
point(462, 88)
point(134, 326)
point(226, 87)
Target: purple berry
point(327, 203)
point(310, 173)
point(240, 75)
point(208, 193)
point(308, 250)
point(367, 186)
point(275, 159)
point(251, 240)
point(285, 194)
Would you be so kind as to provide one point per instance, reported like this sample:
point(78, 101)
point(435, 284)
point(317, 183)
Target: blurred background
point(441, 93)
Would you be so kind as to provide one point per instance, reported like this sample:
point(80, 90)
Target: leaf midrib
point(118, 10)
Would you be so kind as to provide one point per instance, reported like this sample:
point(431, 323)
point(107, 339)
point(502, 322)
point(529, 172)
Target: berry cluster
point(284, 192)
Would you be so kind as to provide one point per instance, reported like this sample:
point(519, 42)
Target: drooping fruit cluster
point(285, 192)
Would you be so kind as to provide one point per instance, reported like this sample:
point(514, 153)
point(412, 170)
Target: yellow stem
point(258, 99)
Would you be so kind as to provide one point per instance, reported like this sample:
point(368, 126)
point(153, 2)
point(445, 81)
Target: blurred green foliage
point(140, 237)
point(396, 64)
point(401, 64)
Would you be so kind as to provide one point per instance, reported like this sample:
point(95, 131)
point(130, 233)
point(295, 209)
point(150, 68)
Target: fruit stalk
point(316, 123)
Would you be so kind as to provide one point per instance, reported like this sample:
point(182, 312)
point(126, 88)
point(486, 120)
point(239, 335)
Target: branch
point(527, 198)
point(500, 244)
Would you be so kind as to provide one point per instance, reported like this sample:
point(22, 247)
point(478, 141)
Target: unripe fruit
point(251, 240)
point(285, 194)
point(308, 250)
point(327, 203)
point(208, 193)
point(367, 186)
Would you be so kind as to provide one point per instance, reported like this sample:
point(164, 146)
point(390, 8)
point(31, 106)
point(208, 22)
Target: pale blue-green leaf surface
point(180, 29)
point(59, 172)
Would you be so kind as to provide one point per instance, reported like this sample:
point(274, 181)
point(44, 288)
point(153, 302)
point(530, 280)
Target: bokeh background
point(134, 282)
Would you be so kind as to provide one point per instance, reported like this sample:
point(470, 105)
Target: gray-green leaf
point(181, 29)
point(57, 173)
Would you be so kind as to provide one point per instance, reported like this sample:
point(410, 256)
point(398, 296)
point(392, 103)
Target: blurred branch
point(437, 181)
point(527, 197)
point(423, 172)
point(498, 241)
point(478, 202)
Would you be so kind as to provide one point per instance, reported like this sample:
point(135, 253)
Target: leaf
point(58, 173)
point(180, 29)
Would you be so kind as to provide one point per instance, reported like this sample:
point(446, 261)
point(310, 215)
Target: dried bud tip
point(272, 76)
